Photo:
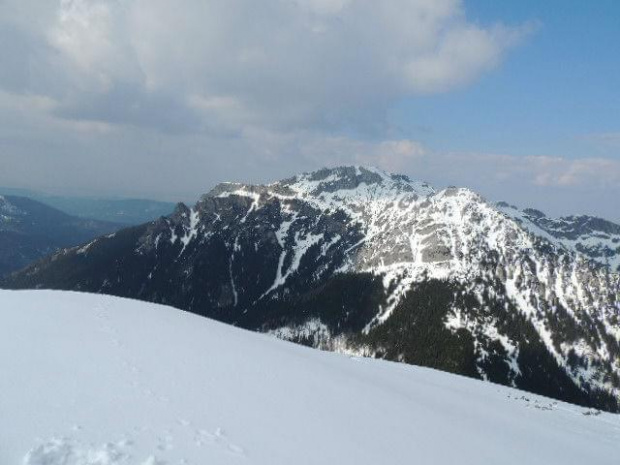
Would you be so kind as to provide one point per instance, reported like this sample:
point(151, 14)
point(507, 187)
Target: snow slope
point(95, 380)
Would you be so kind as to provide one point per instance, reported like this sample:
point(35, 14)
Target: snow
point(232, 277)
point(83, 250)
point(408, 233)
point(459, 320)
point(311, 329)
point(597, 243)
point(97, 380)
point(281, 236)
point(192, 230)
point(302, 245)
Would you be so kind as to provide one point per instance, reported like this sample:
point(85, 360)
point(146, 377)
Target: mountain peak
point(348, 183)
point(341, 178)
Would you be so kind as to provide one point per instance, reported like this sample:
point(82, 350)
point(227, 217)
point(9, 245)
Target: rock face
point(29, 230)
point(357, 260)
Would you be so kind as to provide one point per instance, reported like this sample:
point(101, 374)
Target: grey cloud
point(16, 58)
point(24, 61)
point(329, 64)
point(130, 104)
point(66, 155)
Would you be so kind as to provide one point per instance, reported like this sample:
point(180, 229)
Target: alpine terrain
point(364, 262)
point(30, 230)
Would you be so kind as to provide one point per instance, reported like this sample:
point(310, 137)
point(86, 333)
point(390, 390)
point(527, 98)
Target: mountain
point(124, 211)
point(30, 230)
point(595, 238)
point(100, 380)
point(359, 261)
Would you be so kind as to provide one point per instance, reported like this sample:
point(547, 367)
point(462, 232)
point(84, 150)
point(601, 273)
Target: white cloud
point(461, 56)
point(319, 150)
point(528, 171)
point(281, 63)
point(558, 185)
point(588, 172)
point(91, 35)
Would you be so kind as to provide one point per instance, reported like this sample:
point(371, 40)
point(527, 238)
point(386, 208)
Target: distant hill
point(30, 230)
point(125, 211)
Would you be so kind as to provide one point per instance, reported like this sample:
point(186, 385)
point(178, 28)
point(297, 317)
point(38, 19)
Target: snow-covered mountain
point(30, 230)
point(596, 238)
point(97, 380)
point(360, 261)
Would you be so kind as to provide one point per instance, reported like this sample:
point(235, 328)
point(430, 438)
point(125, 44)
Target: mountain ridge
point(357, 260)
point(29, 230)
point(127, 211)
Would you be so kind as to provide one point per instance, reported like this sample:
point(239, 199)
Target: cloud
point(312, 149)
point(599, 173)
point(231, 64)
point(541, 171)
point(461, 56)
point(604, 140)
point(40, 150)
point(153, 97)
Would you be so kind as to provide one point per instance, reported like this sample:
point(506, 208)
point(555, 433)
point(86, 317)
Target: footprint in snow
point(218, 438)
point(151, 460)
point(184, 422)
point(165, 443)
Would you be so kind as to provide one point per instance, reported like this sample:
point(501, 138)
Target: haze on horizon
point(149, 98)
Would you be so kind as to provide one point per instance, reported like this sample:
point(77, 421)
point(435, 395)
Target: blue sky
point(547, 97)
point(516, 99)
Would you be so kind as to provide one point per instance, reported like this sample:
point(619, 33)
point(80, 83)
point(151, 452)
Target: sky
point(151, 98)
